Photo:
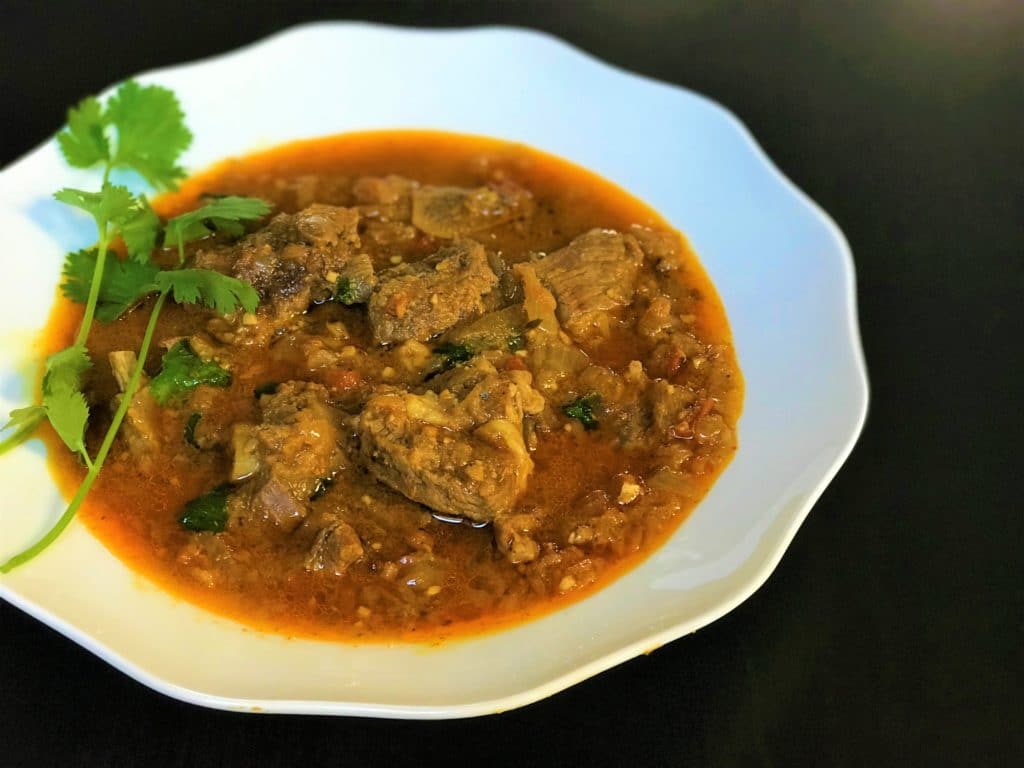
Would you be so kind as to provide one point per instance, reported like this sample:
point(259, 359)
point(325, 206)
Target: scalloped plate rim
point(578, 674)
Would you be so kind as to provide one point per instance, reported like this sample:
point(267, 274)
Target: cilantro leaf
point(64, 369)
point(219, 292)
point(24, 422)
point(63, 400)
point(208, 512)
point(138, 227)
point(516, 341)
point(582, 409)
point(122, 285)
point(182, 371)
point(131, 216)
point(151, 132)
point(68, 413)
point(345, 291)
point(84, 143)
point(110, 203)
point(454, 353)
point(222, 214)
point(351, 290)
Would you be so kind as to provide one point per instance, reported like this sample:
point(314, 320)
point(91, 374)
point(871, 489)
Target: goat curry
point(480, 382)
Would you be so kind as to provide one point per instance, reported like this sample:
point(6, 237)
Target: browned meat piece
point(386, 204)
point(354, 283)
point(513, 535)
point(663, 249)
point(659, 319)
point(459, 456)
point(291, 260)
point(389, 232)
point(282, 458)
point(308, 188)
point(384, 198)
point(669, 406)
point(590, 278)
point(457, 211)
point(418, 301)
point(336, 547)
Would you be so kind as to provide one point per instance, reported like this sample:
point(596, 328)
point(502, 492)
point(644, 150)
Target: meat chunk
point(590, 278)
point(335, 549)
point(421, 300)
point(668, 404)
point(663, 249)
point(354, 283)
point(514, 536)
point(457, 211)
point(387, 198)
point(462, 456)
point(385, 202)
point(281, 459)
point(289, 261)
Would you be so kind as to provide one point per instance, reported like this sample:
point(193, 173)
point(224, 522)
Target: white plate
point(781, 265)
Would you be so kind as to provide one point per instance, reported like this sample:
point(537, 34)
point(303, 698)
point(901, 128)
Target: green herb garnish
point(269, 388)
point(182, 371)
point(151, 132)
point(349, 291)
point(222, 214)
point(453, 354)
point(516, 341)
point(24, 421)
point(345, 291)
point(582, 409)
point(140, 128)
point(190, 428)
point(219, 292)
point(208, 512)
point(122, 283)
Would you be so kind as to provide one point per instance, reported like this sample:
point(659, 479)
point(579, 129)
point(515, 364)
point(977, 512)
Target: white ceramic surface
point(782, 267)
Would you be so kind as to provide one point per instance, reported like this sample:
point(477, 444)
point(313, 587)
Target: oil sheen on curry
point(481, 382)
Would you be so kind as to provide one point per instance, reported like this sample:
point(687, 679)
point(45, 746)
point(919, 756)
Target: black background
point(891, 633)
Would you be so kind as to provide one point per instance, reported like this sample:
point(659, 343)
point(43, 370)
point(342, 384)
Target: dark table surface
point(891, 633)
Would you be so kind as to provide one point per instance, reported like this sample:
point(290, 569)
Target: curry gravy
point(577, 473)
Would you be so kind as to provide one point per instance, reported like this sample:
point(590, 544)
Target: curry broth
point(136, 514)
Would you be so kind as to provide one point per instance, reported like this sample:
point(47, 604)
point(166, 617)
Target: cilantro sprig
point(207, 513)
point(182, 370)
point(584, 410)
point(221, 214)
point(453, 353)
point(140, 128)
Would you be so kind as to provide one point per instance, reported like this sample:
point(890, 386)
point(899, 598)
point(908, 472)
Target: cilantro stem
point(97, 274)
point(90, 306)
point(94, 291)
point(22, 434)
point(101, 455)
